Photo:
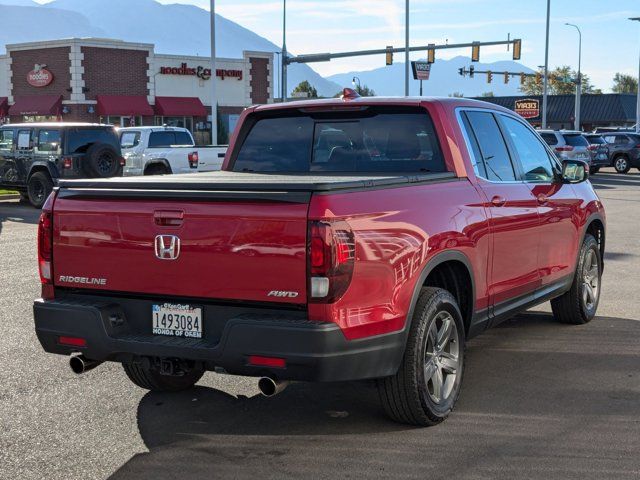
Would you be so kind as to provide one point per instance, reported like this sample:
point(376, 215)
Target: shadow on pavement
point(17, 212)
point(607, 180)
point(539, 398)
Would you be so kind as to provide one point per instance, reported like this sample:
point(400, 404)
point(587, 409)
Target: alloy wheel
point(621, 164)
point(442, 358)
point(590, 280)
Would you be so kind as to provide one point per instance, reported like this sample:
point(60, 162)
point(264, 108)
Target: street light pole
point(406, 51)
point(284, 51)
point(546, 70)
point(214, 102)
point(359, 87)
point(637, 19)
point(576, 125)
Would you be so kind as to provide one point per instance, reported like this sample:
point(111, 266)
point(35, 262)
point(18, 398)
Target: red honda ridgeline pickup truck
point(344, 239)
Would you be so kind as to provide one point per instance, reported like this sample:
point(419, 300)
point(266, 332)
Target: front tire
point(151, 379)
point(578, 306)
point(621, 164)
point(39, 187)
point(424, 390)
point(594, 170)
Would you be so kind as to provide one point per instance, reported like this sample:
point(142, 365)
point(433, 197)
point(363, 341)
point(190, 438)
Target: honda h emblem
point(167, 247)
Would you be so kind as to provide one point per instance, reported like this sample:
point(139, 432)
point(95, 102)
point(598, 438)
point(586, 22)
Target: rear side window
point(550, 138)
point(575, 140)
point(494, 153)
point(6, 139)
point(78, 140)
point(596, 140)
point(161, 139)
point(371, 140)
point(183, 139)
point(48, 140)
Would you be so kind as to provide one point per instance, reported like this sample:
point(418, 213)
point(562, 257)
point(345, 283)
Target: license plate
point(176, 320)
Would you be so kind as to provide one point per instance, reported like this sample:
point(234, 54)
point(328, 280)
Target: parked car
point(33, 156)
point(599, 150)
point(624, 150)
point(567, 144)
point(164, 150)
point(408, 252)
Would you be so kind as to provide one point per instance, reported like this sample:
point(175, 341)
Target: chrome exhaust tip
point(270, 387)
point(80, 364)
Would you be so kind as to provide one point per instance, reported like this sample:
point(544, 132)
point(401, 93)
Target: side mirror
point(574, 171)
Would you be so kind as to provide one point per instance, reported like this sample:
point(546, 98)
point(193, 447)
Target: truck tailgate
point(244, 249)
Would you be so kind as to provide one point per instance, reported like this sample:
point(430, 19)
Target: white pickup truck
point(165, 150)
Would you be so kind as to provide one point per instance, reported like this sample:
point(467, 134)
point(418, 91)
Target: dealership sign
point(200, 72)
point(39, 76)
point(528, 108)
point(421, 70)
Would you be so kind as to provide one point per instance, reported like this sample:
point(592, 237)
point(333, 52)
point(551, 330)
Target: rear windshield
point(597, 139)
point(78, 140)
point(575, 140)
point(367, 140)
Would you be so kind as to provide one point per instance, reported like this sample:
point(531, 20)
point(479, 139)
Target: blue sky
point(611, 43)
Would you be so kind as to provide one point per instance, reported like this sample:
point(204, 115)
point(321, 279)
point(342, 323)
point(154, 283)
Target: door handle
point(498, 201)
point(542, 199)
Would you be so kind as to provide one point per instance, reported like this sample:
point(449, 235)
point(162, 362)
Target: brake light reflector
point(566, 148)
point(72, 341)
point(331, 260)
point(260, 361)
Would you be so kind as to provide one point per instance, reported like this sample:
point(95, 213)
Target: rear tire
point(424, 390)
point(578, 306)
point(621, 164)
point(39, 186)
point(151, 379)
point(594, 170)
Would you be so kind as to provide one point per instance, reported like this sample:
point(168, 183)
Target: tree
point(307, 88)
point(624, 83)
point(365, 91)
point(457, 95)
point(561, 82)
point(487, 94)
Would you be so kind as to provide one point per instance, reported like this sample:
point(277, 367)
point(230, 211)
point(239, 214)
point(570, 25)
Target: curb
point(10, 197)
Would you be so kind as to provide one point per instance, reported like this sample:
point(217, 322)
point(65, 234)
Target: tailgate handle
point(168, 218)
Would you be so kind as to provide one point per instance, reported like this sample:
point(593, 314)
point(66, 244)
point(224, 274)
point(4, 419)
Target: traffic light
point(461, 71)
point(475, 52)
point(389, 55)
point(489, 76)
point(517, 49)
point(431, 53)
point(506, 77)
point(538, 78)
point(471, 70)
point(523, 77)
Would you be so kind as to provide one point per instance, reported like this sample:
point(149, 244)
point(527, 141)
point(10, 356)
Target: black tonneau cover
point(238, 185)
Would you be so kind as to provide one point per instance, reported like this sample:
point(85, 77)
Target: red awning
point(123, 105)
point(180, 107)
point(37, 105)
point(4, 106)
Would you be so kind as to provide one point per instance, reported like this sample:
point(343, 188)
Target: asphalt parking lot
point(539, 400)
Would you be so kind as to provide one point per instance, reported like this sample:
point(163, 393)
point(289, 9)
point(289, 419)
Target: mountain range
point(184, 29)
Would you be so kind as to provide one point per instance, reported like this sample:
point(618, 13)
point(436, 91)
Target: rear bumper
point(313, 351)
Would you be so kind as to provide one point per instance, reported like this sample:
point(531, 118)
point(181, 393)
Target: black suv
point(624, 150)
point(34, 155)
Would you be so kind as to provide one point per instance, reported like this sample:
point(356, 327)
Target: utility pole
point(284, 51)
point(214, 97)
point(406, 50)
point(579, 81)
point(546, 70)
point(637, 19)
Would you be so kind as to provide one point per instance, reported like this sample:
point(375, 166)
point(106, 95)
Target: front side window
point(48, 140)
point(372, 140)
point(493, 150)
point(129, 139)
point(24, 140)
point(532, 154)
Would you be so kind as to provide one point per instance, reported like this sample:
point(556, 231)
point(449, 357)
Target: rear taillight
point(67, 162)
point(193, 159)
point(45, 247)
point(123, 161)
point(566, 148)
point(331, 259)
point(593, 147)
